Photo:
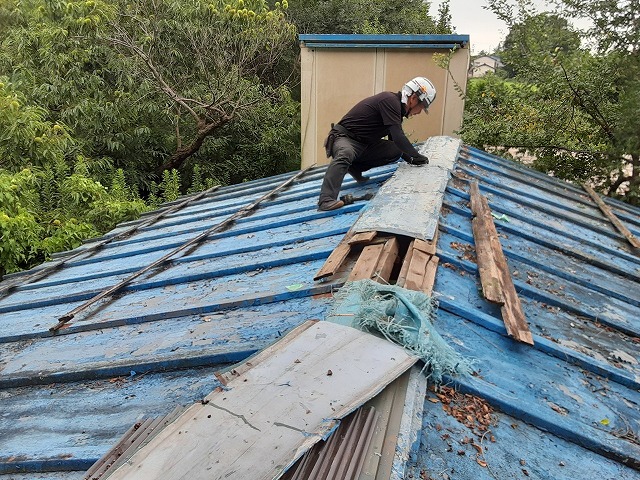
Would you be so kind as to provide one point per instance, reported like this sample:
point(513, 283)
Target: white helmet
point(423, 87)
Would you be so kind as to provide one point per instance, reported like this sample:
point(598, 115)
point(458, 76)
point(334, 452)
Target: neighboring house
point(564, 408)
point(485, 64)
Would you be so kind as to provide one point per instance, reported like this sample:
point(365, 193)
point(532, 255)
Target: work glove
point(419, 160)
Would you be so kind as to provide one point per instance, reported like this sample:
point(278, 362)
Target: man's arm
point(409, 153)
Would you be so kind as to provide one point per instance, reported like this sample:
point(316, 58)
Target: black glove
point(420, 160)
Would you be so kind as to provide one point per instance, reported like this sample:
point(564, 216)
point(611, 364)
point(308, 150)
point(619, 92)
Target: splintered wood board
point(275, 409)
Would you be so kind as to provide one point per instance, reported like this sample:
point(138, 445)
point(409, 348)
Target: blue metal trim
point(591, 438)
point(426, 46)
point(542, 344)
point(541, 296)
point(257, 300)
point(52, 465)
point(386, 38)
point(125, 370)
point(496, 160)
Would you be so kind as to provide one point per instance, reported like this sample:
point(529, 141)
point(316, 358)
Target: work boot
point(357, 176)
point(330, 205)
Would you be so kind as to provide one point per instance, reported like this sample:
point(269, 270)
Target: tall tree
point(540, 35)
point(364, 16)
point(207, 59)
point(570, 108)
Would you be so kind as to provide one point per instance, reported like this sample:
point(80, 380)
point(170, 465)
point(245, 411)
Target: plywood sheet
point(415, 189)
point(271, 413)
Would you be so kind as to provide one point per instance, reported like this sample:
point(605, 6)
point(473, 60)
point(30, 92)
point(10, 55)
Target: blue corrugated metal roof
point(564, 408)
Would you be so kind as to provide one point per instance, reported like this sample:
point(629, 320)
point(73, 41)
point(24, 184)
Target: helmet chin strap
point(405, 96)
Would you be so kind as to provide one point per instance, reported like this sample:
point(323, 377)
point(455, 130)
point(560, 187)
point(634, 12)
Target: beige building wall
point(340, 70)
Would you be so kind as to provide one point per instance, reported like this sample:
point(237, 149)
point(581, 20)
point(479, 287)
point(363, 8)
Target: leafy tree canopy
point(570, 108)
point(368, 17)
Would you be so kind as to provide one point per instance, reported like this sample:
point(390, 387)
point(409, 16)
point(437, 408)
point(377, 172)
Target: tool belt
point(336, 131)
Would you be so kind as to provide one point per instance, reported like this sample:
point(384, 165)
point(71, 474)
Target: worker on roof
point(356, 142)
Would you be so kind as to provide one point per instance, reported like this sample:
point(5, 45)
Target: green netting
point(404, 317)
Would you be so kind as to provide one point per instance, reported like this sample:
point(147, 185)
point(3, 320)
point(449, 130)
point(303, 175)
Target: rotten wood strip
point(365, 266)
point(387, 261)
point(190, 245)
point(93, 248)
point(112, 453)
point(417, 269)
point(512, 314)
point(404, 270)
point(429, 278)
point(362, 237)
point(633, 240)
point(103, 465)
point(427, 246)
point(336, 258)
point(489, 274)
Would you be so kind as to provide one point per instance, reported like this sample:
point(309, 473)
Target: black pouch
point(328, 143)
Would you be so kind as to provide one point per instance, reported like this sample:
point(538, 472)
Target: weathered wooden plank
point(429, 278)
point(633, 240)
point(427, 246)
point(265, 353)
point(365, 266)
point(404, 270)
point(487, 268)
point(362, 237)
point(276, 410)
point(417, 269)
point(512, 314)
point(387, 261)
point(335, 259)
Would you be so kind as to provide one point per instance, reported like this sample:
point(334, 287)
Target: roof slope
point(567, 406)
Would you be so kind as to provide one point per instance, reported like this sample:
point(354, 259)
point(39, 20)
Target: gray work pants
point(359, 157)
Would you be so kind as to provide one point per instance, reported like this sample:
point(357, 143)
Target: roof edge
point(384, 41)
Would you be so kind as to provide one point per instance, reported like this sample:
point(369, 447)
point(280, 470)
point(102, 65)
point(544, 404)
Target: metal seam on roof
point(409, 203)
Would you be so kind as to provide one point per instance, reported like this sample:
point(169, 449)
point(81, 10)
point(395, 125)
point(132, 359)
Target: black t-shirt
point(376, 117)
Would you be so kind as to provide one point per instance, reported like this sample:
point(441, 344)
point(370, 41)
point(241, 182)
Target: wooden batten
point(491, 264)
point(427, 246)
point(362, 237)
point(366, 264)
point(489, 273)
point(416, 270)
point(404, 270)
point(336, 258)
point(387, 260)
point(430, 275)
point(633, 240)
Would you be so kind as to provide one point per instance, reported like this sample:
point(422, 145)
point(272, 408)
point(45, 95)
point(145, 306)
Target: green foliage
point(213, 62)
point(537, 37)
point(262, 144)
point(571, 110)
point(170, 185)
point(46, 211)
point(366, 16)
point(26, 136)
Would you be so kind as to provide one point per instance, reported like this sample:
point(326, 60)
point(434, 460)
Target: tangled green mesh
point(404, 317)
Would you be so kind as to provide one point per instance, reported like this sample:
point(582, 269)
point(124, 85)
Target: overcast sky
point(483, 27)
point(469, 18)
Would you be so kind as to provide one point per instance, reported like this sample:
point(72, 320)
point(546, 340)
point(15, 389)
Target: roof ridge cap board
point(292, 396)
point(409, 202)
